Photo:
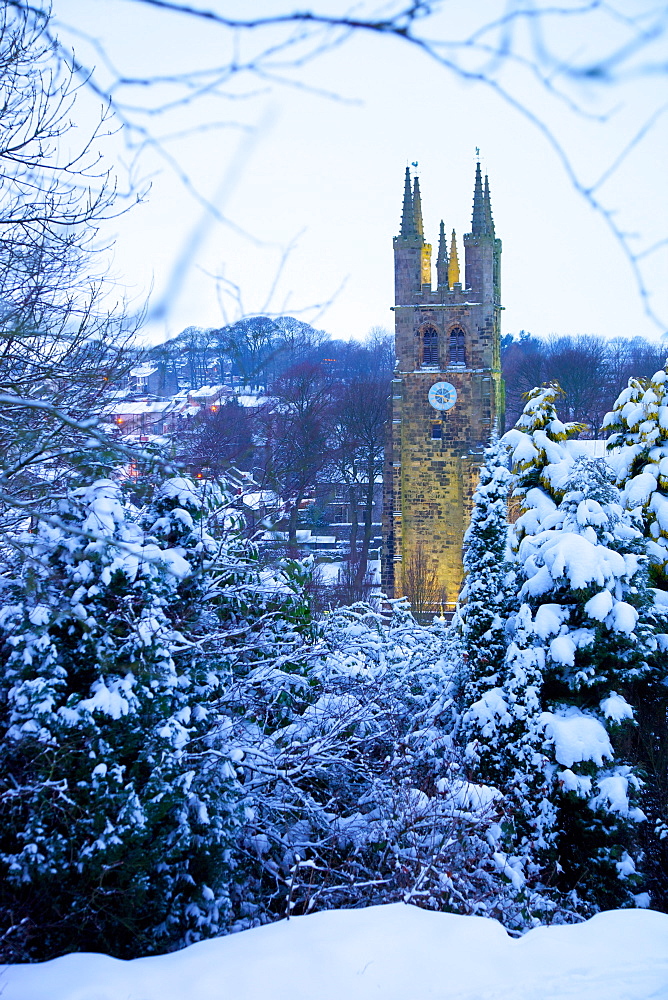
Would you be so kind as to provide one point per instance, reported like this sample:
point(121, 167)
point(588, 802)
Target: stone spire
point(442, 259)
point(407, 218)
point(489, 221)
point(478, 227)
point(417, 209)
point(453, 265)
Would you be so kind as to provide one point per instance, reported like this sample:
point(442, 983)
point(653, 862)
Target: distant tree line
point(320, 418)
point(591, 370)
point(261, 353)
point(314, 425)
point(258, 350)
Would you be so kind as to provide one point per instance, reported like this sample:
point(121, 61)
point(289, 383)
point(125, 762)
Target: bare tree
point(591, 371)
point(60, 350)
point(195, 344)
point(361, 412)
point(421, 586)
point(251, 344)
point(220, 437)
point(524, 366)
point(580, 366)
point(297, 421)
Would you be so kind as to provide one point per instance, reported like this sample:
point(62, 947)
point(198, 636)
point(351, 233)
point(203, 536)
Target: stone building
point(447, 399)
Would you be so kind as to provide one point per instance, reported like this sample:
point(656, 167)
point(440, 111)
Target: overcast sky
point(310, 185)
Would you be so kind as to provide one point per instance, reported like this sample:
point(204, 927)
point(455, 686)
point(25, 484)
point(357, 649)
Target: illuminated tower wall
point(447, 396)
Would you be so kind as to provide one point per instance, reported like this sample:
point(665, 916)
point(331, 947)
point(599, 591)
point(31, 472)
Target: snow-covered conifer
point(584, 584)
point(639, 454)
point(642, 461)
point(623, 421)
point(540, 456)
point(485, 603)
point(508, 715)
point(580, 646)
point(523, 766)
point(116, 823)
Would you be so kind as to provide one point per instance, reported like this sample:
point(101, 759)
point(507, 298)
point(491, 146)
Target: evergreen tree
point(485, 603)
point(522, 763)
point(539, 455)
point(558, 727)
point(116, 822)
point(639, 451)
point(585, 584)
point(624, 420)
point(642, 462)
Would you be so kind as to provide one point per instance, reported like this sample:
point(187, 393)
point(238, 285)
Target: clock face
point(443, 396)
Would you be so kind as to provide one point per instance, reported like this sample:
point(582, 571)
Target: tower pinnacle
point(417, 209)
point(489, 221)
point(407, 216)
point(442, 259)
point(478, 227)
point(453, 265)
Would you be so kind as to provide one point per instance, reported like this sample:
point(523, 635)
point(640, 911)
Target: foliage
point(640, 432)
point(60, 352)
point(486, 600)
point(558, 715)
point(638, 444)
point(116, 825)
point(592, 371)
point(585, 585)
point(355, 793)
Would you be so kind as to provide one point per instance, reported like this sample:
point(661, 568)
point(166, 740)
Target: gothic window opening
point(457, 347)
point(430, 347)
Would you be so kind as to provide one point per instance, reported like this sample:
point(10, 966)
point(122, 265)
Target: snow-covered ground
point(391, 952)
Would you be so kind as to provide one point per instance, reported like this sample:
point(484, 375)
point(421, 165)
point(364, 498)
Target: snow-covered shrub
point(355, 794)
point(115, 824)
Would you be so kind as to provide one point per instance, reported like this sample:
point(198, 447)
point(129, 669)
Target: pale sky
point(320, 178)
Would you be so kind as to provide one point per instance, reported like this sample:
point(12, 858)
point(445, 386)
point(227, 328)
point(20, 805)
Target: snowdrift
point(393, 952)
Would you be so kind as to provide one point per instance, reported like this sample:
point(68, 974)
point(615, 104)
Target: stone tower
point(447, 398)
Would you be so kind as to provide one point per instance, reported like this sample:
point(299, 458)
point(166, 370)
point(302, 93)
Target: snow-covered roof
point(143, 370)
point(207, 392)
point(246, 399)
point(139, 406)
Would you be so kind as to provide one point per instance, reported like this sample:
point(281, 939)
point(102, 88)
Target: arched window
point(457, 347)
point(430, 347)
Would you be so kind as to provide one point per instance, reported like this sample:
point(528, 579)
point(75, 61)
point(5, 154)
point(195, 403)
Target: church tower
point(447, 398)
